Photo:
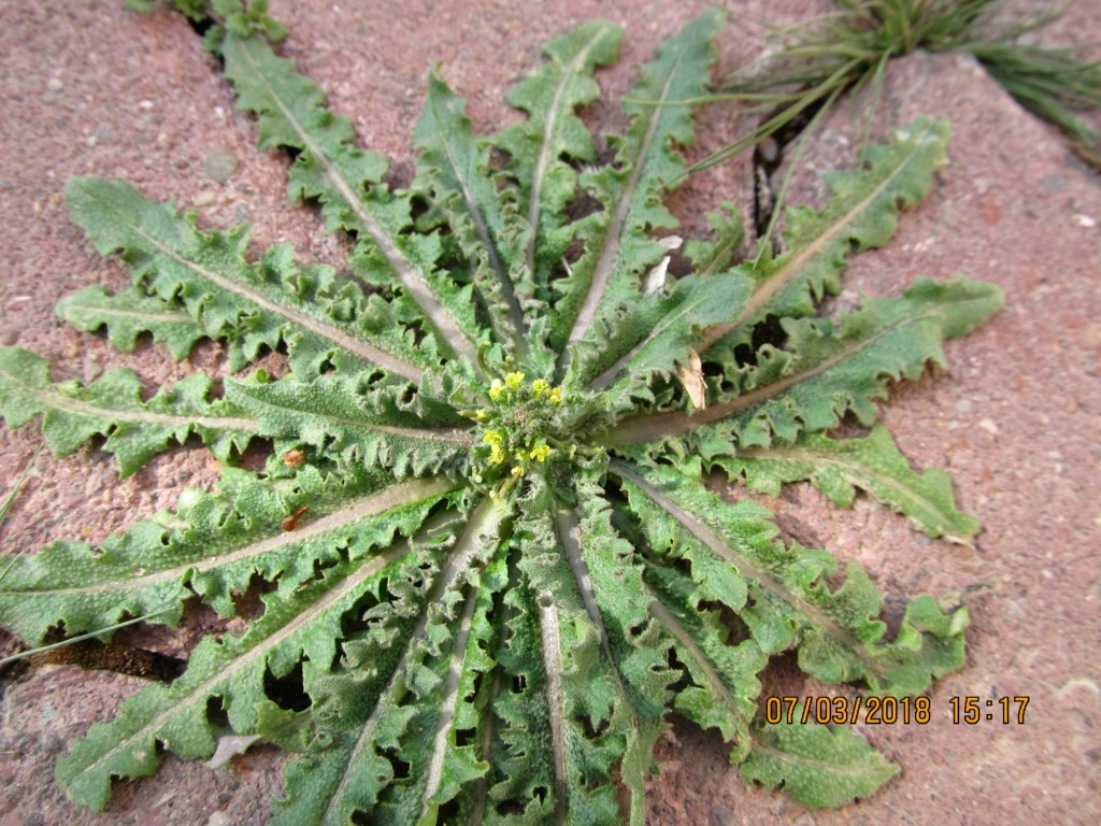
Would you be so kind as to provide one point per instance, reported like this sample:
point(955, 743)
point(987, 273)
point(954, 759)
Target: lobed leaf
point(363, 423)
point(824, 371)
point(544, 149)
point(323, 320)
point(129, 314)
point(618, 247)
point(784, 599)
point(112, 407)
point(819, 766)
point(212, 547)
point(862, 214)
point(839, 467)
point(329, 169)
point(453, 170)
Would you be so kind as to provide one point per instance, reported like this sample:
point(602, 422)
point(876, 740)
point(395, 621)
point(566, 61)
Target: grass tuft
point(849, 51)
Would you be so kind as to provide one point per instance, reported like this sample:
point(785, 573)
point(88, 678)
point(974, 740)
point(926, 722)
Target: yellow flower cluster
point(505, 446)
point(507, 390)
point(498, 454)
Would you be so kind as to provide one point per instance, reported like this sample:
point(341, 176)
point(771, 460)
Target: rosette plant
point(491, 566)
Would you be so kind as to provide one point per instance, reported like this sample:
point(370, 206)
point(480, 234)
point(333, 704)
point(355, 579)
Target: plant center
point(524, 426)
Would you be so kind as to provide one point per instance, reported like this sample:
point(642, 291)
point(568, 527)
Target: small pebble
point(989, 426)
point(220, 164)
point(1085, 221)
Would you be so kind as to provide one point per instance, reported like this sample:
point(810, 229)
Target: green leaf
point(544, 149)
point(328, 168)
point(655, 335)
point(414, 654)
point(825, 371)
point(212, 547)
point(349, 417)
point(453, 171)
point(249, 304)
point(862, 214)
point(782, 595)
point(819, 766)
point(839, 467)
point(619, 248)
point(135, 430)
point(129, 314)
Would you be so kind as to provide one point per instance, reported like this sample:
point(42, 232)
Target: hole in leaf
point(736, 629)
point(358, 618)
point(401, 767)
point(215, 713)
point(448, 812)
point(255, 456)
point(541, 792)
point(850, 427)
point(582, 205)
point(767, 331)
point(288, 691)
point(510, 807)
point(417, 329)
point(676, 665)
point(519, 684)
point(365, 381)
point(465, 736)
point(782, 677)
point(248, 604)
point(592, 732)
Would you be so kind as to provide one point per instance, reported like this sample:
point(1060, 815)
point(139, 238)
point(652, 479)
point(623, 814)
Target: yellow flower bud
point(540, 453)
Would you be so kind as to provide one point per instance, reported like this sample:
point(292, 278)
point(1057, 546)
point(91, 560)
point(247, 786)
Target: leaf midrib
point(261, 648)
point(606, 378)
point(535, 206)
point(611, 248)
point(748, 569)
point(492, 512)
point(851, 476)
point(54, 400)
point(515, 314)
point(444, 436)
point(414, 283)
point(371, 505)
point(664, 425)
point(793, 266)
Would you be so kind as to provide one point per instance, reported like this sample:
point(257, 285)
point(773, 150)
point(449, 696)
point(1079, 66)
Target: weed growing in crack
point(489, 566)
